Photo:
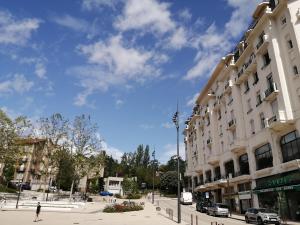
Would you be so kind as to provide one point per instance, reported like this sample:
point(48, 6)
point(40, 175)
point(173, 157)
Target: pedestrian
point(3, 202)
point(38, 210)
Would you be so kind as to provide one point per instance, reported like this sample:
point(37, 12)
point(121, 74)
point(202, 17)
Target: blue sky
point(124, 62)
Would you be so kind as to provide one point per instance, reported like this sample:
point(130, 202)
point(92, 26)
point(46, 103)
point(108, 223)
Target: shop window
point(264, 157)
point(290, 146)
point(244, 164)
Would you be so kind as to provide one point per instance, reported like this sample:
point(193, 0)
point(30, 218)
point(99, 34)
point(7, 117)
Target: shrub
point(117, 208)
point(118, 196)
point(134, 196)
point(6, 189)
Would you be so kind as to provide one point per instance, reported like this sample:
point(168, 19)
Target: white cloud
point(170, 150)
point(168, 125)
point(114, 152)
point(146, 126)
point(178, 39)
point(16, 31)
point(151, 15)
point(18, 84)
point(119, 103)
point(215, 42)
point(192, 101)
point(40, 70)
point(185, 14)
point(71, 22)
point(112, 63)
point(98, 4)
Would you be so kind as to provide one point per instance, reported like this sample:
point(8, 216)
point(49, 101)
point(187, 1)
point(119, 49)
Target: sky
point(126, 63)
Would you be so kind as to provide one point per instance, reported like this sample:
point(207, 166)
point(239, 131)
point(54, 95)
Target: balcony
point(240, 176)
point(207, 111)
point(209, 142)
point(271, 93)
point(211, 94)
point(213, 159)
point(262, 45)
point(250, 66)
point(278, 123)
point(241, 76)
point(208, 180)
point(238, 146)
point(231, 124)
point(228, 86)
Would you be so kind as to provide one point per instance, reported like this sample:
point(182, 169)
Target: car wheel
point(246, 219)
point(259, 221)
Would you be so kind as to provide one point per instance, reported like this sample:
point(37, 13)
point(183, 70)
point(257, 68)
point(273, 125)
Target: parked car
point(25, 186)
point(186, 198)
point(218, 209)
point(106, 193)
point(261, 216)
point(202, 206)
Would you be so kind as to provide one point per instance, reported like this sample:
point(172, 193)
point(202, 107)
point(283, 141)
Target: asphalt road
point(188, 210)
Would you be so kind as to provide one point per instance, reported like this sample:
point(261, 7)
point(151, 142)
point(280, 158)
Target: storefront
point(245, 199)
point(281, 193)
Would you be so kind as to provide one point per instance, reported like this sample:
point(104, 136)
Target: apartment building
point(242, 139)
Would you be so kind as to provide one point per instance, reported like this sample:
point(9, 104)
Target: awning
point(284, 188)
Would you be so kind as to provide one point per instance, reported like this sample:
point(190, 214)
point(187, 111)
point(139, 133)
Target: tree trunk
point(71, 191)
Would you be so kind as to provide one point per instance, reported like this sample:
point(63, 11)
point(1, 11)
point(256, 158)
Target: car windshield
point(263, 210)
point(222, 206)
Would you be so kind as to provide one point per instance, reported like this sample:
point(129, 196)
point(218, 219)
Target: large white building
point(242, 140)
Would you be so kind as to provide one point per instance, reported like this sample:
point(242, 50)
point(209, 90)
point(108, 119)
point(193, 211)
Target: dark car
point(202, 207)
point(106, 193)
point(25, 186)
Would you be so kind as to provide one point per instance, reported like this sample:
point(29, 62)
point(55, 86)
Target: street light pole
point(20, 187)
point(176, 122)
point(153, 154)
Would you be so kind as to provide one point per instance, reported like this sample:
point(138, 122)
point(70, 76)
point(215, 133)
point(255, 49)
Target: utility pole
point(176, 122)
point(153, 154)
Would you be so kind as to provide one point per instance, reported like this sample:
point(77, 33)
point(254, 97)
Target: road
point(188, 210)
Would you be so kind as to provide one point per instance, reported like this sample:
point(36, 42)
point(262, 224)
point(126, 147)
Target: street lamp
point(176, 122)
point(153, 154)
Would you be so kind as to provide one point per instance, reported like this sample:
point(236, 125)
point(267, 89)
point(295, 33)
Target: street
point(188, 210)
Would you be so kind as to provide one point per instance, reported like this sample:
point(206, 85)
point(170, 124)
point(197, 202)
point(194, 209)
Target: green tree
point(130, 186)
point(168, 182)
point(8, 172)
point(66, 169)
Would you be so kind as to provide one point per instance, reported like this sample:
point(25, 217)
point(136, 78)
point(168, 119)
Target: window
point(255, 78)
point(258, 98)
point(260, 40)
point(219, 114)
point(252, 126)
point(266, 60)
point(208, 176)
point(249, 106)
point(263, 157)
point(295, 69)
point(230, 99)
point(244, 186)
point(208, 121)
point(262, 120)
point(217, 173)
point(246, 84)
point(229, 168)
point(290, 146)
point(290, 44)
point(244, 164)
point(221, 130)
point(283, 20)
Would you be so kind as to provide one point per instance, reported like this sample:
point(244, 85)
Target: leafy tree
point(168, 182)
point(66, 169)
point(8, 172)
point(130, 186)
point(146, 158)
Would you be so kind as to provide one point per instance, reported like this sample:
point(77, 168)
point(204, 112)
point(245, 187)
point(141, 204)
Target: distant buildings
point(114, 185)
point(242, 140)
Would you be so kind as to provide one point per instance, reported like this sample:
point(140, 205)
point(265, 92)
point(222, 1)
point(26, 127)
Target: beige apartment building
point(242, 139)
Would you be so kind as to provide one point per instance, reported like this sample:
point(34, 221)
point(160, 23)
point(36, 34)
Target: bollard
point(196, 219)
point(192, 219)
point(171, 211)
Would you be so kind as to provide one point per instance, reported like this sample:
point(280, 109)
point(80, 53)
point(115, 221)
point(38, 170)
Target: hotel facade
point(243, 138)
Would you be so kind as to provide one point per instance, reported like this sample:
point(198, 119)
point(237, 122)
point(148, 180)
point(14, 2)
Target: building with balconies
point(246, 135)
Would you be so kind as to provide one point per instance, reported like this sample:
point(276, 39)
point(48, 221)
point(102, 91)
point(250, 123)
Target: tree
point(8, 172)
point(130, 186)
point(66, 169)
point(168, 182)
point(10, 132)
point(84, 143)
point(55, 130)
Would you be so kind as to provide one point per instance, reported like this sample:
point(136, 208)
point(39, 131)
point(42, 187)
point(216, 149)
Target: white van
point(186, 198)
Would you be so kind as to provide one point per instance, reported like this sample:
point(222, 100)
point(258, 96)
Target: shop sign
point(244, 195)
point(280, 181)
point(285, 188)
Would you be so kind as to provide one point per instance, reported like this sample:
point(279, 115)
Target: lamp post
point(153, 154)
point(19, 193)
point(229, 194)
point(176, 122)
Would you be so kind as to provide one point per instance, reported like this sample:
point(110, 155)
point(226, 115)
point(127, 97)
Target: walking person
point(38, 210)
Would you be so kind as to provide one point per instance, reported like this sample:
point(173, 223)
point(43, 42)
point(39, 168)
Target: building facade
point(243, 138)
point(114, 185)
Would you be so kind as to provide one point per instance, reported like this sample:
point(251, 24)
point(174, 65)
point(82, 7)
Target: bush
point(118, 196)
point(118, 208)
point(134, 196)
point(7, 190)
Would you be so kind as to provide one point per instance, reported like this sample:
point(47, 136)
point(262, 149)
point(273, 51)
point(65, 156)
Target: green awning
point(284, 188)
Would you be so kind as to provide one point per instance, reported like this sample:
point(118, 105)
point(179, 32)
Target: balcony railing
point(271, 92)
